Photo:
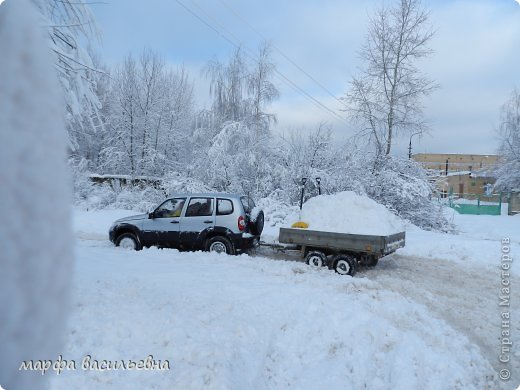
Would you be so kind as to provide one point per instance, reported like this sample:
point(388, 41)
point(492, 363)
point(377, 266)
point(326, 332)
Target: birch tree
point(262, 90)
point(228, 87)
point(385, 99)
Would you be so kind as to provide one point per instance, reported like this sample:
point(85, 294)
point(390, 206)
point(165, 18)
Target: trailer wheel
point(316, 258)
point(345, 265)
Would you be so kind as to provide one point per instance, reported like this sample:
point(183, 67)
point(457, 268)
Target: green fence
point(476, 204)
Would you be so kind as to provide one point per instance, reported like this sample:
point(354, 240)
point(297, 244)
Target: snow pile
point(347, 212)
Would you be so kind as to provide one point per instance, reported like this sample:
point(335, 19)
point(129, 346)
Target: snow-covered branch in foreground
point(68, 26)
point(36, 255)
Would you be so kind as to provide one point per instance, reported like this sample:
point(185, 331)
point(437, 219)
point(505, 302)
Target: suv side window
point(224, 207)
point(200, 207)
point(170, 209)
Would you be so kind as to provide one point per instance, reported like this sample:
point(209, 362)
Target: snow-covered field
point(425, 317)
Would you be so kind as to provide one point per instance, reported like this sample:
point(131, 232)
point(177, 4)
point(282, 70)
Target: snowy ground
point(425, 317)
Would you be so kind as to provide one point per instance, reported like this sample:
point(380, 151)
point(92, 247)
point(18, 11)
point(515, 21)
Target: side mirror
point(150, 215)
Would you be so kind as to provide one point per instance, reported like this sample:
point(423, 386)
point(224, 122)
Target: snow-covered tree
point(509, 170)
point(151, 111)
point(385, 99)
point(36, 255)
point(228, 87)
point(262, 91)
point(239, 125)
point(308, 157)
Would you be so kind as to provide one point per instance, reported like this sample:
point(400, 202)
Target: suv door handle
point(174, 222)
point(208, 221)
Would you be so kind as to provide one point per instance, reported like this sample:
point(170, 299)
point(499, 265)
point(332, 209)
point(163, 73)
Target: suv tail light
point(241, 223)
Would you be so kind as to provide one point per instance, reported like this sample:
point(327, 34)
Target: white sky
point(476, 60)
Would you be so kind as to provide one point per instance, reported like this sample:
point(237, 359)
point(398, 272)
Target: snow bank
point(347, 212)
point(477, 241)
point(94, 224)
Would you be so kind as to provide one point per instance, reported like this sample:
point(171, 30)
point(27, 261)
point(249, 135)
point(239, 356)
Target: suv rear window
point(224, 207)
point(200, 207)
point(248, 204)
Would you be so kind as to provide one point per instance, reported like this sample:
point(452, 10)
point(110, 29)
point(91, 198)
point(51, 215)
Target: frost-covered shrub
point(139, 199)
point(174, 182)
point(88, 195)
point(402, 186)
point(239, 160)
point(277, 211)
point(94, 196)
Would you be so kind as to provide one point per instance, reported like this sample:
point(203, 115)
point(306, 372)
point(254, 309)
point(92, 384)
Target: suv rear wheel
point(220, 244)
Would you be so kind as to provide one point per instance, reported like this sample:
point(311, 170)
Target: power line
point(239, 16)
point(285, 79)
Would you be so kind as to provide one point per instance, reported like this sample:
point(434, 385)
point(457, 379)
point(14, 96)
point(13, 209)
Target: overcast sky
point(476, 60)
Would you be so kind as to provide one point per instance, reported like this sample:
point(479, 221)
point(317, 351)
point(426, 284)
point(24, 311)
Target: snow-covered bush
point(174, 182)
point(403, 187)
point(136, 198)
point(89, 195)
point(277, 211)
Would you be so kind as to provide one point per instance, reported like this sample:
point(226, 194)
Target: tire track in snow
point(466, 297)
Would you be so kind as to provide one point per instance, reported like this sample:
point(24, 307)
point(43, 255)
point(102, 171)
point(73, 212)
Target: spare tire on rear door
point(256, 222)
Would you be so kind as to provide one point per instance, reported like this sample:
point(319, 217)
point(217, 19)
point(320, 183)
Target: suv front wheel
point(220, 244)
point(128, 241)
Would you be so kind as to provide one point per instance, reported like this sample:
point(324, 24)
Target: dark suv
point(213, 222)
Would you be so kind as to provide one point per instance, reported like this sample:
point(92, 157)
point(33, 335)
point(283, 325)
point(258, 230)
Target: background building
point(462, 174)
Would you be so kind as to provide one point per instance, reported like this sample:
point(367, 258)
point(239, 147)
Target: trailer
point(341, 252)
